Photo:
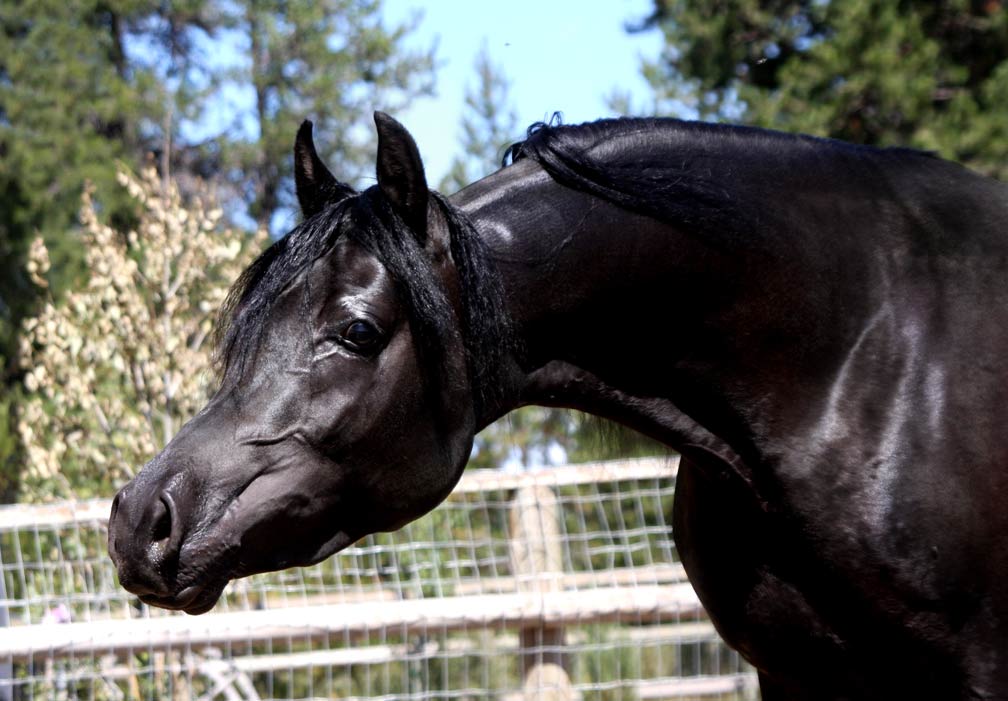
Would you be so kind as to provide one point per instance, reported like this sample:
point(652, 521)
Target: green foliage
point(69, 109)
point(75, 99)
point(332, 61)
point(10, 463)
point(882, 72)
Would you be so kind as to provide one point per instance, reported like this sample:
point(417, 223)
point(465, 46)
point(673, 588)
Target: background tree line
point(930, 74)
point(92, 88)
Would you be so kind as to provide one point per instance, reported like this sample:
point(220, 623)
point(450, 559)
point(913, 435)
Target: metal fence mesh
point(557, 584)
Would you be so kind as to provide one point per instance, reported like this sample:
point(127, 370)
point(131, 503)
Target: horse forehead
point(349, 267)
point(352, 277)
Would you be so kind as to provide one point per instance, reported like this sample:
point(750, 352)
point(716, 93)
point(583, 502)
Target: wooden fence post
point(537, 565)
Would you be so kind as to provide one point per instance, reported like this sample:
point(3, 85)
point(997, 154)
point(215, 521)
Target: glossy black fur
point(820, 329)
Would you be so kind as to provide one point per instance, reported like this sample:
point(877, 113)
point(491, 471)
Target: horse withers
point(820, 329)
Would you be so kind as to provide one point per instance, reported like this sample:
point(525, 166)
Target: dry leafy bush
point(114, 369)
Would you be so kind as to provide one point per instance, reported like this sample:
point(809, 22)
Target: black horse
point(820, 329)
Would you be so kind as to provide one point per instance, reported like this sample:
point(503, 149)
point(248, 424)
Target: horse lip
point(188, 596)
point(203, 600)
point(194, 599)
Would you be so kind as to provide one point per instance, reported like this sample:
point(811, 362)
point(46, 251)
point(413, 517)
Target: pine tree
point(333, 61)
point(933, 75)
point(489, 124)
point(82, 86)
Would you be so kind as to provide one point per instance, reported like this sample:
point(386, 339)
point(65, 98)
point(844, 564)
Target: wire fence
point(558, 584)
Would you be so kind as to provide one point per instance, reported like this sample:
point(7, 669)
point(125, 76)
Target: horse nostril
point(161, 530)
point(115, 506)
point(112, 525)
point(166, 531)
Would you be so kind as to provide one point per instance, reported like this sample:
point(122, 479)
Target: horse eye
point(361, 336)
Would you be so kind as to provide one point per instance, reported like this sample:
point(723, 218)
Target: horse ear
point(401, 173)
point(316, 187)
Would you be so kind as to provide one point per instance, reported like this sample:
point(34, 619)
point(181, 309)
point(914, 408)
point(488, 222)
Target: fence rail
point(561, 583)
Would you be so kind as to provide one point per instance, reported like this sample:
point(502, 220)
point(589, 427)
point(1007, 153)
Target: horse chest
point(830, 625)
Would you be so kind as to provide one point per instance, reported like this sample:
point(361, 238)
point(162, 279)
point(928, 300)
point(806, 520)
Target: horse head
point(345, 405)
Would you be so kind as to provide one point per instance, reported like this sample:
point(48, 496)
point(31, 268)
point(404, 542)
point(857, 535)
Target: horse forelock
point(369, 220)
point(250, 300)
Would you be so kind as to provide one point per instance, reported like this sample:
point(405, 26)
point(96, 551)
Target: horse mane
point(370, 221)
point(694, 173)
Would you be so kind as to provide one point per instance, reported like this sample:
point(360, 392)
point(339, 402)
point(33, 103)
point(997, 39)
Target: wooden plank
point(339, 657)
point(670, 633)
point(695, 686)
point(277, 600)
point(15, 517)
point(666, 573)
point(644, 604)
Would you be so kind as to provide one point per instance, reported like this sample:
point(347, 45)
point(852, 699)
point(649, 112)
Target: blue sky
point(559, 55)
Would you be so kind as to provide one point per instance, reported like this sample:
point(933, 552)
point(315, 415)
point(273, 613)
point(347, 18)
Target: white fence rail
point(561, 584)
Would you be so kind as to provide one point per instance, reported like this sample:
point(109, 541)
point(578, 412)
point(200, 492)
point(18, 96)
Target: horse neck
point(614, 308)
